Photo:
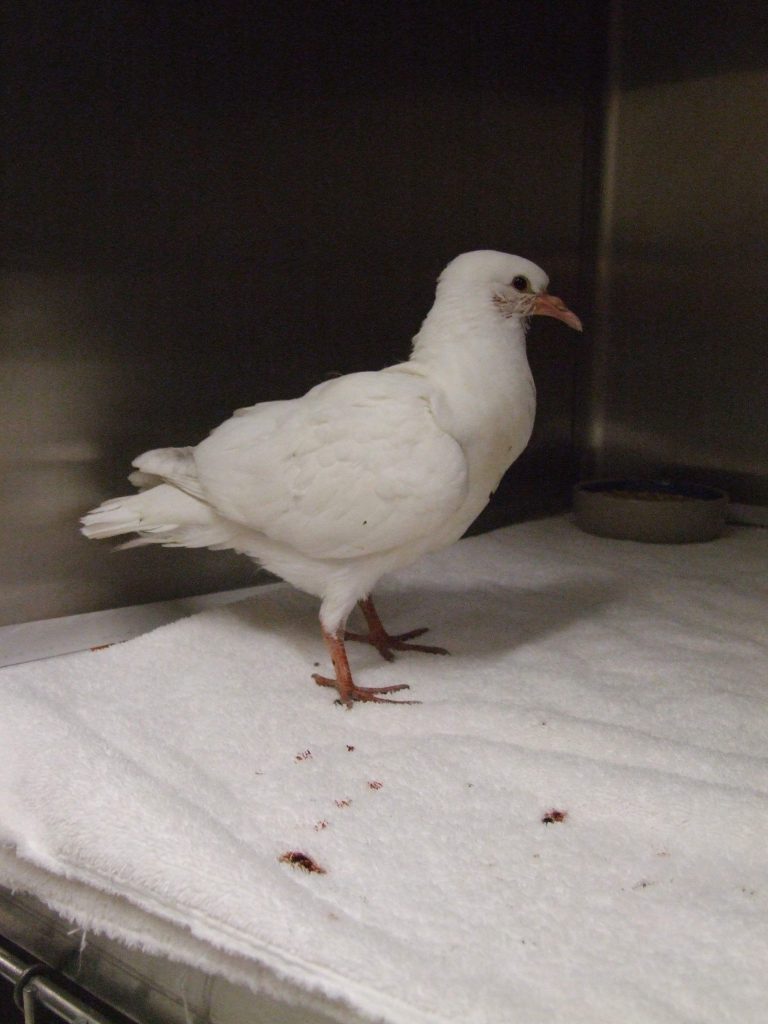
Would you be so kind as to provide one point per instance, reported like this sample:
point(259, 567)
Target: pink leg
point(385, 644)
point(344, 683)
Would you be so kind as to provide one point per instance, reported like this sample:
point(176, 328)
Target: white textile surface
point(571, 826)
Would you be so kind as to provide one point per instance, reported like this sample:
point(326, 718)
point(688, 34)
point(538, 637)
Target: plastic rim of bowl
point(652, 511)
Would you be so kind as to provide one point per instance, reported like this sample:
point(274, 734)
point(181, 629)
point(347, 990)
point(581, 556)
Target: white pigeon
point(365, 472)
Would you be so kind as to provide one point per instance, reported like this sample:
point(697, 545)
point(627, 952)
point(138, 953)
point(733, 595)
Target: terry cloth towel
point(571, 826)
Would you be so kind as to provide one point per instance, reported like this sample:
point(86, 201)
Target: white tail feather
point(160, 515)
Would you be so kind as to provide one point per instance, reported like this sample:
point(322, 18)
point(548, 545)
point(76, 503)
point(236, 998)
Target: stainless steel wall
point(207, 205)
point(678, 386)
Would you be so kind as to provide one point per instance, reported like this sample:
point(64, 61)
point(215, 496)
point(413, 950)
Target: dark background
point(208, 205)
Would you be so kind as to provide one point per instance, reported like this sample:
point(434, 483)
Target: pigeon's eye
point(521, 283)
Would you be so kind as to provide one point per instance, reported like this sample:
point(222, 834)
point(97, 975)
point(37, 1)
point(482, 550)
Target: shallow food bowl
point(658, 513)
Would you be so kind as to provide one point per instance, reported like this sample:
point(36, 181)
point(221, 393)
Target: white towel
point(571, 826)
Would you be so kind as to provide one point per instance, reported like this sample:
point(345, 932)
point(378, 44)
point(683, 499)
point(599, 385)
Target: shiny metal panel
point(679, 377)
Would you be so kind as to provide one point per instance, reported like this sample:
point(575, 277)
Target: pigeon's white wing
point(356, 466)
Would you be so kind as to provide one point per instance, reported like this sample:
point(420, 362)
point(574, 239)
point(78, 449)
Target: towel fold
point(570, 827)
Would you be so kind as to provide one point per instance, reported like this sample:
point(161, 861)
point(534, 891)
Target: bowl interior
point(652, 489)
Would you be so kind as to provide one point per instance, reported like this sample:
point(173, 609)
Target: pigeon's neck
point(478, 361)
point(465, 343)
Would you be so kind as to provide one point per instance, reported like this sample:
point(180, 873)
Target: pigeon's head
point(515, 286)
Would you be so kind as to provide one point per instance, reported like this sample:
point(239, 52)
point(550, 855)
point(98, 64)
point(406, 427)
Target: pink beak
point(549, 305)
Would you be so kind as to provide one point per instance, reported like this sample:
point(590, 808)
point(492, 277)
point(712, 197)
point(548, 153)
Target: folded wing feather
point(357, 466)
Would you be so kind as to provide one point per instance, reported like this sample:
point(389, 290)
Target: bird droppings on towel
point(129, 798)
point(553, 816)
point(301, 860)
